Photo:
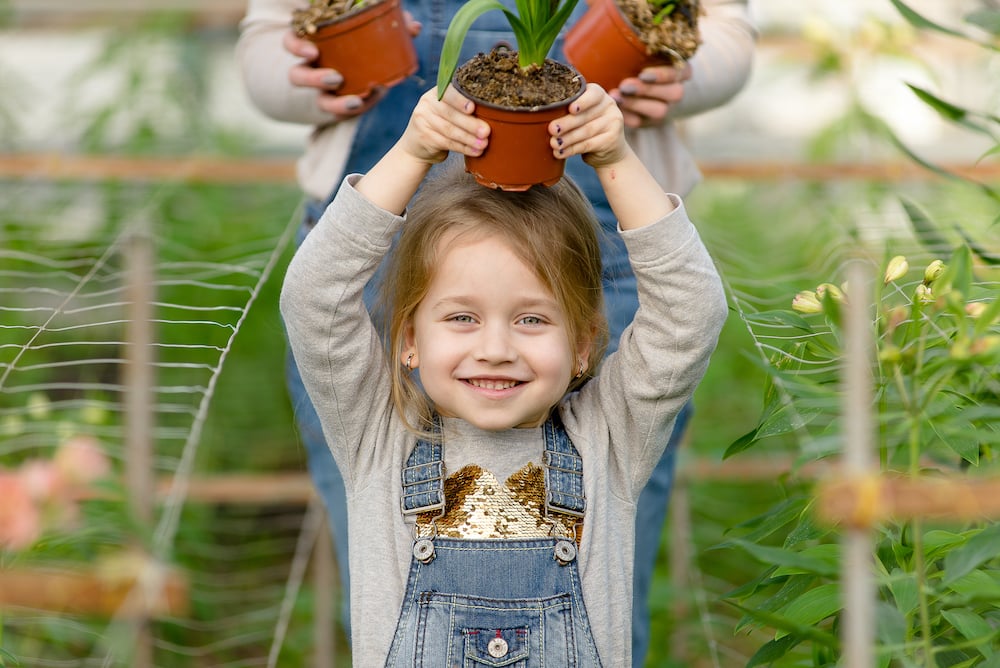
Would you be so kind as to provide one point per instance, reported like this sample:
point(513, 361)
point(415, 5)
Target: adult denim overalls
point(494, 602)
point(378, 130)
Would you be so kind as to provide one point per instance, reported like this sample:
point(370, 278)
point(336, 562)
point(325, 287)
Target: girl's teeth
point(493, 384)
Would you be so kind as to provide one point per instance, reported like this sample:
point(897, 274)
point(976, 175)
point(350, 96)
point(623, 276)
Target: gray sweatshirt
point(619, 422)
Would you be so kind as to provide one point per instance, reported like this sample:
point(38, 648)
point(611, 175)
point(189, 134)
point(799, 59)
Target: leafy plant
point(936, 381)
point(535, 24)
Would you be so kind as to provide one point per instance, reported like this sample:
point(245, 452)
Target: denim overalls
point(495, 602)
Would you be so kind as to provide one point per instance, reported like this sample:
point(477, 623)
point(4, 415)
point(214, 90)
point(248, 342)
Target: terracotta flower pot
point(518, 154)
point(369, 48)
point(605, 48)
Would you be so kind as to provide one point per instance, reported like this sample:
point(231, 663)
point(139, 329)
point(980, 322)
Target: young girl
point(492, 506)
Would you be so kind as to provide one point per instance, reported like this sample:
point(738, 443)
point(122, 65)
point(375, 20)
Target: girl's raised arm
point(594, 128)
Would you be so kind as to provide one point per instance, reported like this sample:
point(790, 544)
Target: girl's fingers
point(445, 125)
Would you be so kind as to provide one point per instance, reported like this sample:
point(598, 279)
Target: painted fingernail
point(647, 77)
point(576, 109)
point(333, 80)
point(559, 140)
point(558, 129)
point(629, 89)
point(352, 103)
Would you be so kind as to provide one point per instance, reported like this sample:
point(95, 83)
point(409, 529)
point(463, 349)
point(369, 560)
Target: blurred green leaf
point(973, 627)
point(773, 650)
point(977, 550)
point(813, 606)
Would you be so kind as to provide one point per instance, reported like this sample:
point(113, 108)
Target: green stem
point(917, 524)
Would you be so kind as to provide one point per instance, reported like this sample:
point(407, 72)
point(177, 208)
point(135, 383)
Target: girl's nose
point(495, 345)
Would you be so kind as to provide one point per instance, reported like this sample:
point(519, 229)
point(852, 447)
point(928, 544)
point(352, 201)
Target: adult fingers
point(298, 46)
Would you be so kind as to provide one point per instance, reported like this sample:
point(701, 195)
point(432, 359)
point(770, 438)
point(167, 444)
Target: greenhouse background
point(148, 212)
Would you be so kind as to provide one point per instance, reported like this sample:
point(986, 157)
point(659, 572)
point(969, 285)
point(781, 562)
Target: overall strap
point(423, 476)
point(563, 471)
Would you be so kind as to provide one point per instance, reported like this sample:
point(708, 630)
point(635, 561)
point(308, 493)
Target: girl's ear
point(409, 352)
point(583, 349)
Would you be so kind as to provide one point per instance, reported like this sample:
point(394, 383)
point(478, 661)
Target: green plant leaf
point(983, 254)
point(972, 627)
point(919, 21)
point(986, 19)
point(459, 28)
point(806, 561)
point(903, 587)
point(891, 626)
point(773, 650)
point(926, 231)
point(980, 548)
point(813, 606)
point(791, 626)
point(793, 588)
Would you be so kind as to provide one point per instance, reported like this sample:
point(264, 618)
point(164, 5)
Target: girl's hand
point(593, 128)
point(439, 126)
point(646, 99)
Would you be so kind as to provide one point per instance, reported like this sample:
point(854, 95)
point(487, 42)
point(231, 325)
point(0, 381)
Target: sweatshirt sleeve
point(336, 347)
point(722, 64)
point(664, 353)
point(264, 64)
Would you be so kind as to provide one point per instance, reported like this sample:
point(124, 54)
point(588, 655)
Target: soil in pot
point(518, 105)
point(367, 42)
point(497, 78)
point(675, 38)
point(306, 21)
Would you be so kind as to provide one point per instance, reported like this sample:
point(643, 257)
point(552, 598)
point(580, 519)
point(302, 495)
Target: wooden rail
point(207, 169)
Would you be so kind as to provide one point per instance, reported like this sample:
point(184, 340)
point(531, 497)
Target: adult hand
point(646, 99)
point(327, 80)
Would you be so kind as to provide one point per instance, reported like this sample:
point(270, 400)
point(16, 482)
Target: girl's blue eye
point(531, 320)
point(462, 318)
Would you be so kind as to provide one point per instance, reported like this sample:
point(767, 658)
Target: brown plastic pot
point(605, 48)
point(369, 48)
point(518, 154)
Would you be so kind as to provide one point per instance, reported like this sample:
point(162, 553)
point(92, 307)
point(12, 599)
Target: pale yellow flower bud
point(924, 294)
point(39, 406)
point(807, 302)
point(985, 345)
point(933, 271)
point(896, 269)
point(834, 292)
point(975, 309)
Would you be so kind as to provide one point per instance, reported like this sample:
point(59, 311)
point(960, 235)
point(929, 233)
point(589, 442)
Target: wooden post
point(857, 578)
point(138, 402)
point(324, 611)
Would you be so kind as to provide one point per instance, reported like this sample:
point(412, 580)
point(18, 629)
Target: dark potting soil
point(676, 37)
point(307, 20)
point(496, 77)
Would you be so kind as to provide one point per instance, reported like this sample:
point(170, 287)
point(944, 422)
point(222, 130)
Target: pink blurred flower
point(20, 519)
point(80, 460)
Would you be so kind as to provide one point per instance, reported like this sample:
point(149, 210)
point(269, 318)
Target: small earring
point(409, 362)
point(579, 374)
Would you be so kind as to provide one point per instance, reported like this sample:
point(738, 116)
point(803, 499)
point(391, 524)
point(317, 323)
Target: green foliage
point(936, 377)
point(535, 24)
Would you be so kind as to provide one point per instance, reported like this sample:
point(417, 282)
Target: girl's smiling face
point(490, 340)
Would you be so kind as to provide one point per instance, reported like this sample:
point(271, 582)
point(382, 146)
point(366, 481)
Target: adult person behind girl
point(351, 133)
point(492, 506)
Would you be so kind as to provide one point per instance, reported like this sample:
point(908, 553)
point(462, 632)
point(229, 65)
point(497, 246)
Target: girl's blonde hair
point(553, 230)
